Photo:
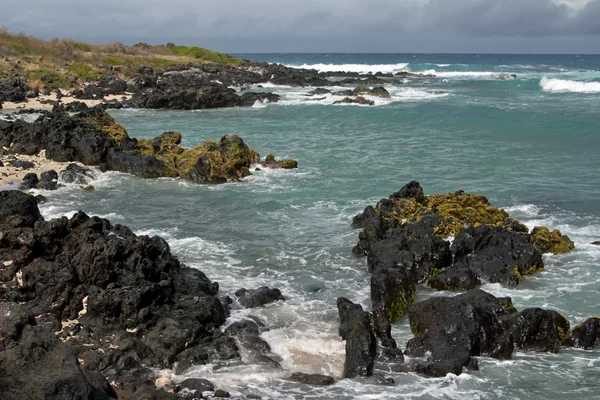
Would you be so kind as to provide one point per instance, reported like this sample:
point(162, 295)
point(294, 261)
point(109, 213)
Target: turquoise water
point(530, 144)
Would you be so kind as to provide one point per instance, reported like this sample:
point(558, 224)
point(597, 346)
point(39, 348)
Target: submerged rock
point(357, 100)
point(258, 297)
point(377, 91)
point(312, 379)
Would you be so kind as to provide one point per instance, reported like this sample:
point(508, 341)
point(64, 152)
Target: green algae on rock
point(94, 138)
point(458, 209)
point(550, 241)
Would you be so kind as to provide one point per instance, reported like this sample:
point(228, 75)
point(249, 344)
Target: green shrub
point(113, 60)
point(204, 54)
point(49, 79)
point(83, 70)
point(83, 47)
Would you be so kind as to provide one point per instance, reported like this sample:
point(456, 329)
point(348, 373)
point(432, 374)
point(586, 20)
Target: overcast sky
point(245, 26)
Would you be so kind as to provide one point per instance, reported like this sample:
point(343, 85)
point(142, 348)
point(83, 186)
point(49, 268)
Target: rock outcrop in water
point(449, 331)
point(489, 243)
point(404, 239)
point(119, 303)
point(92, 137)
point(361, 346)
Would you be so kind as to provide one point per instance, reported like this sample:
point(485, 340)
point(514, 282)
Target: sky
point(259, 26)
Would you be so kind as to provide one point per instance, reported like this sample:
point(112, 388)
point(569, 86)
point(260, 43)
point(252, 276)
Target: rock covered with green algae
point(228, 160)
point(459, 210)
point(551, 241)
point(403, 239)
point(94, 138)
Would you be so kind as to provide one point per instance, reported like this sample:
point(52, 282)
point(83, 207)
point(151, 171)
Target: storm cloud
point(535, 26)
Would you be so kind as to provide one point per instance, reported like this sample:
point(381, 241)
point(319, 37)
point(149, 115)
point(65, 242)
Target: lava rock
point(122, 302)
point(361, 345)
point(22, 164)
point(30, 181)
point(220, 393)
point(199, 385)
point(312, 379)
point(536, 329)
point(18, 209)
point(36, 362)
point(14, 89)
point(411, 190)
point(392, 291)
point(48, 180)
point(258, 297)
point(77, 174)
point(455, 280)
point(450, 330)
point(496, 254)
point(586, 335)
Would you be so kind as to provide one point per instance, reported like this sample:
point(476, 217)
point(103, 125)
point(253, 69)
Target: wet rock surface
point(312, 379)
point(361, 346)
point(449, 331)
point(258, 297)
point(404, 240)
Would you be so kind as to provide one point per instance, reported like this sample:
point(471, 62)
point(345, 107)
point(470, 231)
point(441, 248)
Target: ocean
point(531, 144)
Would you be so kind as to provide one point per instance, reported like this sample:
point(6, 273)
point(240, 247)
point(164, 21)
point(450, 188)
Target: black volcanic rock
point(586, 335)
point(122, 303)
point(36, 364)
point(361, 346)
point(258, 297)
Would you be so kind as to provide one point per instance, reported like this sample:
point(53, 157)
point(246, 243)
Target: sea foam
point(563, 86)
point(360, 68)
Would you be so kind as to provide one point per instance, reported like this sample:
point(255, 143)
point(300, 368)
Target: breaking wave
point(566, 86)
point(360, 68)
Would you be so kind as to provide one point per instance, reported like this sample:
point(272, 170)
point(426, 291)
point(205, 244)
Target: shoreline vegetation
point(88, 309)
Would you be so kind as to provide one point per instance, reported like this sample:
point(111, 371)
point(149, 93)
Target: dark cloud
point(311, 25)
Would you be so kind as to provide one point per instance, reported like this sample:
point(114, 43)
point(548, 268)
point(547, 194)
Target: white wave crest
point(563, 86)
point(459, 74)
point(360, 68)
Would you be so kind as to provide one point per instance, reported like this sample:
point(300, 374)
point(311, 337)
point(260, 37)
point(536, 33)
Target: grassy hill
point(65, 63)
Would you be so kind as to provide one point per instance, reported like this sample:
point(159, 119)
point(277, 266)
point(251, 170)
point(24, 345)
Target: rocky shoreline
point(92, 137)
point(200, 87)
point(85, 302)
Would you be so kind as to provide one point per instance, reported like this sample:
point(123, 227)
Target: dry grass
point(68, 63)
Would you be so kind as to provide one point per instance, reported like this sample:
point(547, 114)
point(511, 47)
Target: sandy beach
point(39, 103)
point(11, 176)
